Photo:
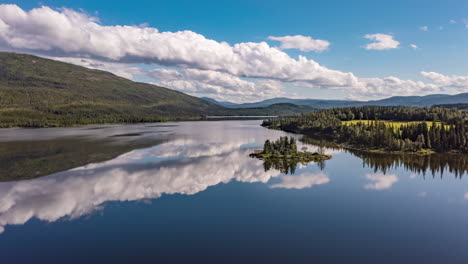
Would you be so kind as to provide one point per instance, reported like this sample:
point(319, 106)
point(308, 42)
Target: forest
point(426, 129)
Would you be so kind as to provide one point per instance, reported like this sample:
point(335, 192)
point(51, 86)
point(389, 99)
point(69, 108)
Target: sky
point(245, 51)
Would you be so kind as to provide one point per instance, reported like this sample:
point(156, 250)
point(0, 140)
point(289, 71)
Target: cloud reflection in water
point(179, 167)
point(380, 181)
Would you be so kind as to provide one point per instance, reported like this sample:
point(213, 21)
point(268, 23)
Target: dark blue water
point(199, 198)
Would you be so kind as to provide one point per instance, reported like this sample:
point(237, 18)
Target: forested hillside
point(417, 129)
point(36, 92)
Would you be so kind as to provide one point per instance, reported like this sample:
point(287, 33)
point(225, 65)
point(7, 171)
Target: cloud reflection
point(182, 167)
point(380, 181)
point(304, 180)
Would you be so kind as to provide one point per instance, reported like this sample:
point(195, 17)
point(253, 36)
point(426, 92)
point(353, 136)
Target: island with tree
point(285, 148)
point(383, 129)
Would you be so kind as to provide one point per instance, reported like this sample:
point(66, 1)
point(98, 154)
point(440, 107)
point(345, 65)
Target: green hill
point(38, 92)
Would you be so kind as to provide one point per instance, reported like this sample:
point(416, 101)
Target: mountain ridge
point(419, 101)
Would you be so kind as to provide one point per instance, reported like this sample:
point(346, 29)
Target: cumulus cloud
point(379, 87)
point(59, 32)
point(301, 181)
point(303, 43)
point(381, 42)
point(414, 46)
point(424, 28)
point(458, 82)
point(70, 32)
point(196, 65)
point(452, 21)
point(120, 69)
point(218, 85)
point(380, 181)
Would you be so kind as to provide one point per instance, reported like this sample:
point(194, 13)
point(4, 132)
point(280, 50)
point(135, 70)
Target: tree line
point(282, 146)
point(438, 129)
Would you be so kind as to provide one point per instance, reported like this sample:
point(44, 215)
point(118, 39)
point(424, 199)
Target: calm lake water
point(188, 192)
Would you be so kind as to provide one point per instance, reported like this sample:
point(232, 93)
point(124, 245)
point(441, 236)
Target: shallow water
point(188, 192)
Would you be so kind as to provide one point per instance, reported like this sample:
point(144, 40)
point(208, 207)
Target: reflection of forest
point(21, 160)
point(287, 166)
point(435, 164)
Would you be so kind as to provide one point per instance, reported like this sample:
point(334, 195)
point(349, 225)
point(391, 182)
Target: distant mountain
point(420, 101)
point(221, 103)
point(315, 103)
point(280, 109)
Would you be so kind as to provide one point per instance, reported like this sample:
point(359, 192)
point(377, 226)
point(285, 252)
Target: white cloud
point(201, 65)
point(380, 181)
point(120, 69)
point(218, 85)
point(58, 32)
point(379, 87)
point(301, 181)
point(452, 21)
point(458, 82)
point(424, 28)
point(303, 43)
point(382, 42)
point(414, 46)
point(54, 32)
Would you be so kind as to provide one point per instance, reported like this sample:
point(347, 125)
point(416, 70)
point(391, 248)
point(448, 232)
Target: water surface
point(188, 192)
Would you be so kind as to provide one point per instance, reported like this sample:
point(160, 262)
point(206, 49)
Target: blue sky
point(440, 49)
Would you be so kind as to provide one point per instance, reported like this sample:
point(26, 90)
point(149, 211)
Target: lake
point(188, 192)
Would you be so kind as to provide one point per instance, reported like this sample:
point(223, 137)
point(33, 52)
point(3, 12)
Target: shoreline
point(227, 118)
point(425, 152)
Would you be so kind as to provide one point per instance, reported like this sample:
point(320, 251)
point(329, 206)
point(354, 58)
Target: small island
point(286, 148)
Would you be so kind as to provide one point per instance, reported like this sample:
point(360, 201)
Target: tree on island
point(267, 148)
point(282, 146)
point(286, 148)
